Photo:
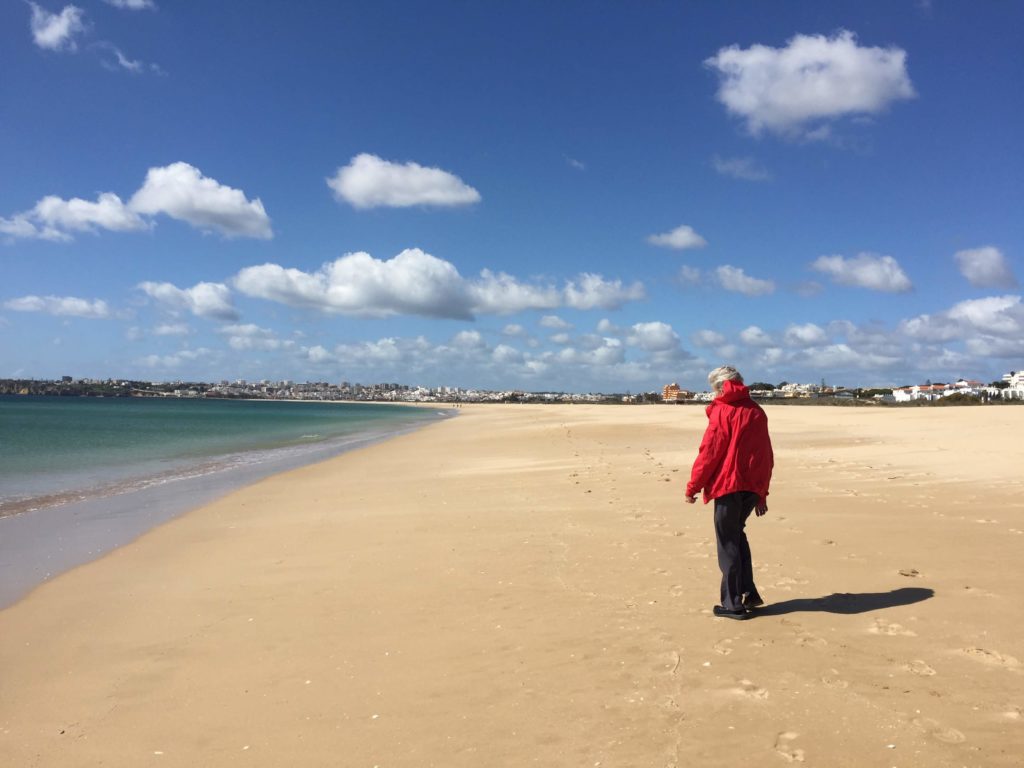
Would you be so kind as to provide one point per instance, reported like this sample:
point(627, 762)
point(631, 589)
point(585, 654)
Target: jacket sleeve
point(709, 459)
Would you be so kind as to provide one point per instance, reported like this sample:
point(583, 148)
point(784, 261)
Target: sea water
point(80, 476)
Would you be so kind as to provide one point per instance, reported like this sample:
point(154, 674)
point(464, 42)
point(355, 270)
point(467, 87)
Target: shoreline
point(525, 586)
point(79, 526)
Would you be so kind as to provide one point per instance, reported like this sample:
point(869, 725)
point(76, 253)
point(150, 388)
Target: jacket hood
point(733, 392)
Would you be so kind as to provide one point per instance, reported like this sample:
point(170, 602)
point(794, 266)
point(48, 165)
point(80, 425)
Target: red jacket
point(736, 452)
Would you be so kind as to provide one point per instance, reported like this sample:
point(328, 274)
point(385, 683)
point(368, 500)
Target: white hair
point(723, 374)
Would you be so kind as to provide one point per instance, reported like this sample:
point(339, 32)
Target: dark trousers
point(731, 513)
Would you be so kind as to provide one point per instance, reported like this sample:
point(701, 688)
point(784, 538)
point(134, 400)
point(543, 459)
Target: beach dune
point(523, 585)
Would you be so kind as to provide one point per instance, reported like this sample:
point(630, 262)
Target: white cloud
point(806, 335)
point(503, 354)
point(560, 338)
point(502, 294)
point(513, 330)
point(604, 325)
point(554, 322)
point(171, 329)
point(121, 61)
point(417, 283)
point(178, 190)
point(251, 336)
point(56, 31)
point(60, 305)
point(653, 336)
point(706, 338)
point(745, 168)
point(203, 299)
point(182, 192)
point(577, 164)
point(755, 337)
point(866, 270)
point(108, 212)
point(132, 5)
point(688, 275)
point(369, 181)
point(53, 218)
point(998, 315)
point(985, 267)
point(814, 78)
point(176, 359)
point(736, 280)
point(413, 282)
point(680, 238)
point(590, 291)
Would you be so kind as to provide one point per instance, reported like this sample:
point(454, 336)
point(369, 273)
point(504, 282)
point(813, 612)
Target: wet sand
point(524, 586)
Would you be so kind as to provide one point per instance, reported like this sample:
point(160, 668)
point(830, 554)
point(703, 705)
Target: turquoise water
point(57, 447)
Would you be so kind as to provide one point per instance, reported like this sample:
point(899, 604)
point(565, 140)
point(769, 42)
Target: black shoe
point(726, 613)
point(750, 602)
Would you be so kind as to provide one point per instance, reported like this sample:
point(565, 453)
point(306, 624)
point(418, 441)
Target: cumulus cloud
point(654, 336)
point(745, 168)
point(706, 338)
point(755, 337)
point(203, 299)
point(513, 330)
point(177, 190)
point(649, 354)
point(680, 238)
point(413, 282)
point(60, 305)
point(417, 283)
point(77, 215)
point(806, 335)
point(182, 192)
point(554, 322)
point(176, 359)
point(736, 280)
point(57, 31)
point(866, 270)
point(369, 181)
point(171, 329)
point(590, 291)
point(812, 79)
point(500, 294)
point(242, 336)
point(985, 267)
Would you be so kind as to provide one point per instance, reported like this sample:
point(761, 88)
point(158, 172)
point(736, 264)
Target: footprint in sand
point(833, 681)
point(677, 590)
point(748, 690)
point(787, 583)
point(723, 647)
point(883, 627)
point(784, 746)
point(935, 729)
point(919, 667)
point(991, 657)
point(910, 573)
point(808, 640)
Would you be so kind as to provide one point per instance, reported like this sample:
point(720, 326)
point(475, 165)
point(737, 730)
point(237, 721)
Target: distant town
point(963, 391)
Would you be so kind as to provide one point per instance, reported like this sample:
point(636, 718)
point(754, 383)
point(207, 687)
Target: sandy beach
point(523, 585)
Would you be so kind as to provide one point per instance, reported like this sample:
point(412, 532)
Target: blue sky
point(591, 196)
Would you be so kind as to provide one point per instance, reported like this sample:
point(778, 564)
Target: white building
point(1015, 390)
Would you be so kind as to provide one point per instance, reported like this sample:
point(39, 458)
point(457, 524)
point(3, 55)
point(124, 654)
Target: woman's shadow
point(847, 602)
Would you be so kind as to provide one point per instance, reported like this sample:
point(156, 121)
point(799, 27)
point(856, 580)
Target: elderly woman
point(733, 467)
